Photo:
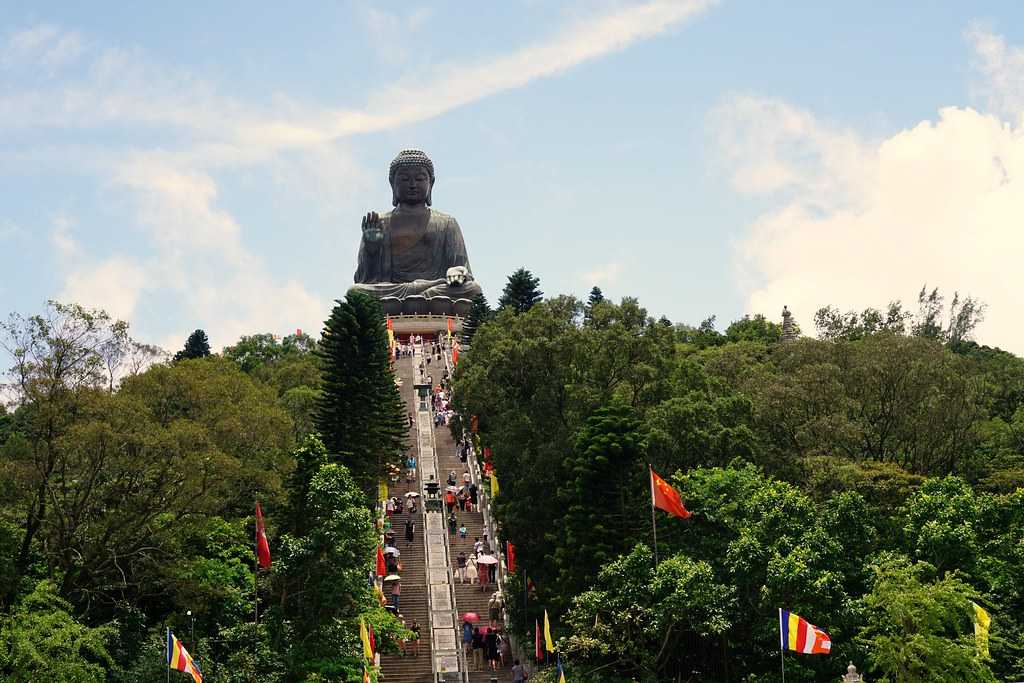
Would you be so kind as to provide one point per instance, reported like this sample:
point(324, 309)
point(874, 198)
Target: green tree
point(41, 641)
point(320, 574)
point(479, 313)
point(596, 297)
point(360, 413)
point(757, 328)
point(196, 346)
point(644, 623)
point(605, 471)
point(521, 292)
point(919, 626)
point(62, 358)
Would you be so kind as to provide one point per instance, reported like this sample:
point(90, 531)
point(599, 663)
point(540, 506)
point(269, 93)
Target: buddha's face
point(412, 185)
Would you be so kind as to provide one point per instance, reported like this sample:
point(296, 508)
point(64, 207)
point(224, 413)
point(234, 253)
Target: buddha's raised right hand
point(373, 229)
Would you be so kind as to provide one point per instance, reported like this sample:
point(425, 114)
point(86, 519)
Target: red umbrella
point(471, 617)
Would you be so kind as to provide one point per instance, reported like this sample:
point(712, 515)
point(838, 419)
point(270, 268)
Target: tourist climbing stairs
point(413, 601)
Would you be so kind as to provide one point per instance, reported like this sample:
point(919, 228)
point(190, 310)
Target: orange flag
point(665, 497)
point(381, 567)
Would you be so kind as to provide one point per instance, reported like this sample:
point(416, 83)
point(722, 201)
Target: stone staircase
point(468, 598)
point(413, 605)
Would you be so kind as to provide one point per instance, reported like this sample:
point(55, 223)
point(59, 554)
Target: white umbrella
point(487, 559)
point(392, 551)
point(392, 577)
point(451, 489)
point(412, 494)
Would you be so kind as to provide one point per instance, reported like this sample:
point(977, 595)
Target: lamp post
point(192, 639)
point(852, 676)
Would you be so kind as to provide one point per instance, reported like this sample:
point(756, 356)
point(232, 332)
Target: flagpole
point(782, 648)
point(256, 571)
point(654, 521)
point(167, 659)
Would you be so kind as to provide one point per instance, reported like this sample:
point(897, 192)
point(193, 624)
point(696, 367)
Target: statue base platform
point(418, 305)
point(426, 325)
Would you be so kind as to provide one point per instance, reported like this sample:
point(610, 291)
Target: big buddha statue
point(414, 258)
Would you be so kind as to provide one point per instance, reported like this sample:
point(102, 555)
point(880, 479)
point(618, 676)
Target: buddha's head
point(412, 178)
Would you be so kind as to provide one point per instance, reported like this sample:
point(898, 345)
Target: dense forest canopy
point(128, 481)
point(868, 479)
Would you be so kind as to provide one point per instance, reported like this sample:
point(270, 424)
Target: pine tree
point(360, 414)
point(479, 314)
point(596, 297)
point(521, 292)
point(196, 346)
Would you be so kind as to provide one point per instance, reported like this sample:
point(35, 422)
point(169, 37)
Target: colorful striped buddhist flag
point(561, 673)
point(799, 635)
point(179, 659)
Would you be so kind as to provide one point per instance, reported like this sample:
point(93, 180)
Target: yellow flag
point(982, 621)
point(494, 485)
point(383, 490)
point(364, 636)
point(549, 644)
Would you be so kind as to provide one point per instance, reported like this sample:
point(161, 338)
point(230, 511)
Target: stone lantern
point(852, 676)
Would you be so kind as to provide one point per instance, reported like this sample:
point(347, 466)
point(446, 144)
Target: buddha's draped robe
point(414, 256)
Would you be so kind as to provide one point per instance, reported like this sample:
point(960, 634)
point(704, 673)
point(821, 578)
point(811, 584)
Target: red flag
point(391, 324)
point(262, 547)
point(455, 354)
point(373, 640)
point(450, 321)
point(381, 567)
point(667, 498)
point(510, 554)
point(537, 653)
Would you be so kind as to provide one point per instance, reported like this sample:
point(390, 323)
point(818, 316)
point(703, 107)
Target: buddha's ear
point(394, 195)
point(430, 192)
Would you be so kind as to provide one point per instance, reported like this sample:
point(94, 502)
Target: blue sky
point(207, 166)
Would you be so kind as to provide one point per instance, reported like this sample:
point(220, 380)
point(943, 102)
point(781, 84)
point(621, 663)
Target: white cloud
point(604, 274)
point(122, 87)
point(1001, 68)
point(42, 47)
point(857, 223)
point(114, 285)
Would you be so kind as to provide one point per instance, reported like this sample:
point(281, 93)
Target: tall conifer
point(359, 413)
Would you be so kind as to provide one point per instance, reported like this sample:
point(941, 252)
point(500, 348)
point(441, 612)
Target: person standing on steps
point(478, 650)
point(415, 628)
point(518, 672)
point(453, 523)
point(410, 528)
point(467, 639)
point(396, 595)
point(460, 563)
point(491, 644)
